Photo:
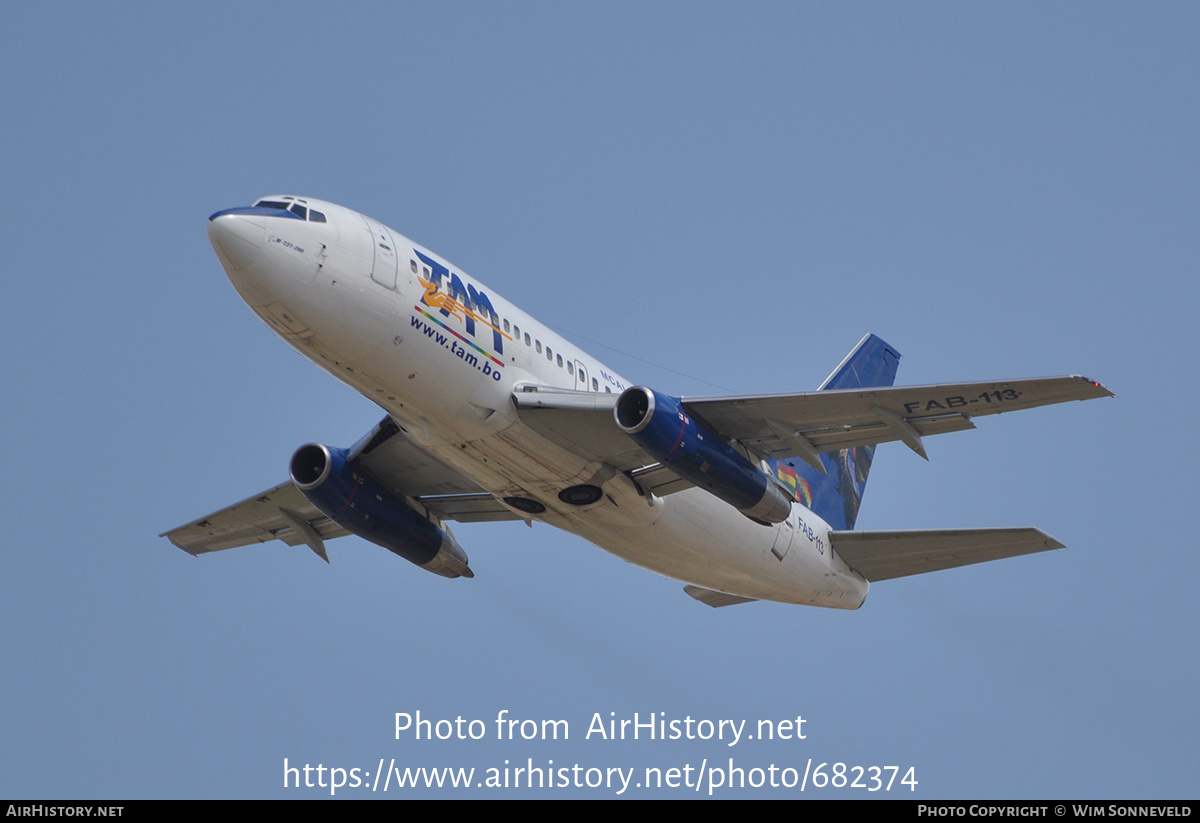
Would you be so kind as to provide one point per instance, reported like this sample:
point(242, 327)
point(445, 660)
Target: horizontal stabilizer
point(882, 555)
point(716, 599)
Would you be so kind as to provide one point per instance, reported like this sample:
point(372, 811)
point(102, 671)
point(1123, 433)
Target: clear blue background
point(736, 193)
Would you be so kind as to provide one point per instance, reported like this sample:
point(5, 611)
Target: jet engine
point(671, 436)
point(356, 502)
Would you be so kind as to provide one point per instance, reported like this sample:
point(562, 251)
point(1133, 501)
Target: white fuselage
point(402, 326)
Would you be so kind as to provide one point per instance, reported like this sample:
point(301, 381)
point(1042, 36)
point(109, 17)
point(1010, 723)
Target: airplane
point(491, 415)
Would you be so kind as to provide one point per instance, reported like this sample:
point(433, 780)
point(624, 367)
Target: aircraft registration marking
point(810, 533)
point(958, 401)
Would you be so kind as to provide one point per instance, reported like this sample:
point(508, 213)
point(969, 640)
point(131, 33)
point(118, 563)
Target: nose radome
point(236, 240)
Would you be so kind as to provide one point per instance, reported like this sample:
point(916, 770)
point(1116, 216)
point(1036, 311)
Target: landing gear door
point(383, 271)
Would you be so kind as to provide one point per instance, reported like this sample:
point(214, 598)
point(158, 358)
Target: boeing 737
point(490, 415)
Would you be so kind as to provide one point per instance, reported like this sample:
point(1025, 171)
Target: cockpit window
point(311, 215)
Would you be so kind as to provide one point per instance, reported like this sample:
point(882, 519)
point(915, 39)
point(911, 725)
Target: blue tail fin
point(836, 495)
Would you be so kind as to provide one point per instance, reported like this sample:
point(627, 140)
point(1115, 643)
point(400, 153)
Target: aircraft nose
point(235, 238)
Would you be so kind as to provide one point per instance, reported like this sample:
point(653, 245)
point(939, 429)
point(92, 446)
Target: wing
point(256, 519)
point(883, 555)
point(795, 425)
point(283, 513)
point(788, 425)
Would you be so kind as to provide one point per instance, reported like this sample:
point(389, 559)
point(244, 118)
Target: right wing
point(883, 555)
point(256, 519)
point(284, 513)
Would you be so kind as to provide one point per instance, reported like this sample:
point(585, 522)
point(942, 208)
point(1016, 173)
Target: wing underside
point(284, 513)
point(793, 425)
point(258, 519)
point(846, 418)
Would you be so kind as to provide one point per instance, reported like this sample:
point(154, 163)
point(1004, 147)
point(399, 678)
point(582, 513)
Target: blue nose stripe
point(260, 210)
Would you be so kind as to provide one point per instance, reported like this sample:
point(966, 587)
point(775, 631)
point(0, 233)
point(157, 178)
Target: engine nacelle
point(660, 426)
point(357, 503)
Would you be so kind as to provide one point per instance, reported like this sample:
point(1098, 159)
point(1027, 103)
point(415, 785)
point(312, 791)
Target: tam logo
point(446, 292)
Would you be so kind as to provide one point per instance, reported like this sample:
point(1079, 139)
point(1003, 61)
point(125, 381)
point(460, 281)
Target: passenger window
point(412, 264)
point(539, 346)
point(570, 369)
point(526, 338)
point(506, 327)
point(560, 361)
point(595, 384)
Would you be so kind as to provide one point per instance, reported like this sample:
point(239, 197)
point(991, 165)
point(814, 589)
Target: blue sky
point(734, 193)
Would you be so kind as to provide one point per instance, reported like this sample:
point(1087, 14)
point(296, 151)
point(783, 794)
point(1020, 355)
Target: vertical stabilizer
point(836, 495)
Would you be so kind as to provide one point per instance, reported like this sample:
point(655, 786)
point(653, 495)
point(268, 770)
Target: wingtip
point(1099, 389)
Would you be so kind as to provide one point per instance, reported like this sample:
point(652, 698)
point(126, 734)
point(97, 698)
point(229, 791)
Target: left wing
point(798, 425)
point(283, 513)
point(781, 425)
